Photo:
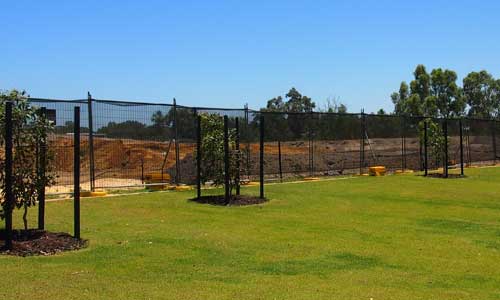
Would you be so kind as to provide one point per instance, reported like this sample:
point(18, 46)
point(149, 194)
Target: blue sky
point(226, 53)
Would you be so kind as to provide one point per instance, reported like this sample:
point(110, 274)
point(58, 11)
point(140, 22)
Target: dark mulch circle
point(450, 176)
point(40, 242)
point(240, 200)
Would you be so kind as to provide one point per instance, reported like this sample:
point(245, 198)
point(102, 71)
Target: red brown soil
point(128, 159)
point(40, 242)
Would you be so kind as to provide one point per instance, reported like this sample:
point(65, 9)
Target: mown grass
point(395, 237)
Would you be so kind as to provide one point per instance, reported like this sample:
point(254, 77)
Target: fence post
point(279, 161)
point(467, 141)
point(261, 160)
point(142, 171)
point(494, 140)
point(362, 143)
point(42, 160)
point(461, 148)
point(91, 143)
point(247, 137)
point(237, 125)
point(420, 152)
point(76, 171)
point(445, 133)
point(198, 156)
point(9, 197)
point(403, 146)
point(426, 153)
point(311, 145)
point(176, 144)
point(226, 161)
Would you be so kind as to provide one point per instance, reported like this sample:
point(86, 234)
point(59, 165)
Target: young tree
point(435, 139)
point(29, 129)
point(212, 149)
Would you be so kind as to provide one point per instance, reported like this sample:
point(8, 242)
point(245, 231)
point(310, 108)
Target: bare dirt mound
point(40, 242)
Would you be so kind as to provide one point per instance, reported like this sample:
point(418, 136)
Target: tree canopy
point(438, 95)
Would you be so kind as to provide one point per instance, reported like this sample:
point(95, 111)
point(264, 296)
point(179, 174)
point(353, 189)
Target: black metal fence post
point(247, 138)
point(445, 133)
point(467, 142)
point(76, 171)
point(362, 143)
point(142, 170)
point(405, 166)
point(91, 143)
point(237, 141)
point(9, 197)
point(261, 160)
point(426, 153)
point(494, 140)
point(42, 160)
point(403, 146)
point(198, 156)
point(226, 161)
point(461, 147)
point(420, 154)
point(176, 145)
point(279, 161)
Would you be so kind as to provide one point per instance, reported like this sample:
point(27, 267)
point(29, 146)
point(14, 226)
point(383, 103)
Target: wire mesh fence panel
point(60, 143)
point(413, 152)
point(384, 141)
point(133, 144)
point(454, 154)
point(186, 135)
point(289, 135)
point(249, 145)
point(347, 143)
point(138, 143)
point(335, 152)
point(480, 141)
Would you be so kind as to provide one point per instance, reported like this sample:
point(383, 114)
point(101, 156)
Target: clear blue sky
point(226, 53)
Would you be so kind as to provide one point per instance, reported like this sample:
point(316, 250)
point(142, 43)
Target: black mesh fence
point(480, 141)
point(60, 142)
point(454, 149)
point(135, 144)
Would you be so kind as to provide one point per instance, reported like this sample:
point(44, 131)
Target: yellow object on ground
point(93, 194)
point(311, 178)
point(156, 177)
point(183, 188)
point(377, 171)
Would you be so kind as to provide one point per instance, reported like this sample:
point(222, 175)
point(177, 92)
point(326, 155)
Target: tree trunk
point(25, 218)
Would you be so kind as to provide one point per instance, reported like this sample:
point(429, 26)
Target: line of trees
point(437, 94)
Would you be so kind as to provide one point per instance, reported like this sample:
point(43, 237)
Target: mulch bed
point(40, 242)
point(240, 200)
point(439, 175)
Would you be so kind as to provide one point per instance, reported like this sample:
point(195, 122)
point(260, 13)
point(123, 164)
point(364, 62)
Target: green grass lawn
point(394, 237)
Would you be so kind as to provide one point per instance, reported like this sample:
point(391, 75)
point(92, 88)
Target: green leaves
point(212, 151)
point(30, 132)
point(482, 94)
